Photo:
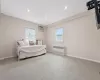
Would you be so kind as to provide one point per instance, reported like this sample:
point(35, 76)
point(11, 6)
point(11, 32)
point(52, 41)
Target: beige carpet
point(49, 67)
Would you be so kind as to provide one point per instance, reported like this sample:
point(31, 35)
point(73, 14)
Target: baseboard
point(49, 52)
point(79, 57)
point(6, 57)
point(84, 58)
point(55, 53)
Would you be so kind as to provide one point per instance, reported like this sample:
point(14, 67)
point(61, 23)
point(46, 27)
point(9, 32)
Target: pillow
point(31, 42)
point(26, 42)
point(20, 43)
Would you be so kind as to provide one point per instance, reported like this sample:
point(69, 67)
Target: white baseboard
point(79, 58)
point(49, 52)
point(84, 58)
point(56, 54)
point(6, 57)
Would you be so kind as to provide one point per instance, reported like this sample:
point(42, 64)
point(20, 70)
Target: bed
point(27, 51)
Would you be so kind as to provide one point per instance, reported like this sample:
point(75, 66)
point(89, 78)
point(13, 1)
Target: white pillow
point(26, 42)
point(21, 43)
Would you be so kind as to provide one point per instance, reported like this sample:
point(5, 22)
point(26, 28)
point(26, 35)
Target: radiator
point(59, 49)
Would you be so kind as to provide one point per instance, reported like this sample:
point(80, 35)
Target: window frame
point(31, 29)
point(62, 35)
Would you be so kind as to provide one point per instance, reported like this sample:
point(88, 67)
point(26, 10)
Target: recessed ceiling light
point(65, 7)
point(28, 10)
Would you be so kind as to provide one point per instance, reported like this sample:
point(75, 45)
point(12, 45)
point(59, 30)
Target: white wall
point(11, 30)
point(81, 37)
point(0, 6)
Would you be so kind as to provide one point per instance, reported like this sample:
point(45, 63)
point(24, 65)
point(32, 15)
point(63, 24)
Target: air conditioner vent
point(41, 28)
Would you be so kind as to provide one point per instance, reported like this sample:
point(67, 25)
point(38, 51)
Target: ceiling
point(43, 11)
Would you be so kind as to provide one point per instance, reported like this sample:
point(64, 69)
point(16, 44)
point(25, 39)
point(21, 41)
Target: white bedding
point(28, 51)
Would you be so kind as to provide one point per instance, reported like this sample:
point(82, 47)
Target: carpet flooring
point(49, 67)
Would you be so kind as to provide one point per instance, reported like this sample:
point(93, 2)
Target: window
point(59, 34)
point(30, 34)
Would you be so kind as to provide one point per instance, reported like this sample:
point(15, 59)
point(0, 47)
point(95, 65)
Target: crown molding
point(80, 15)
